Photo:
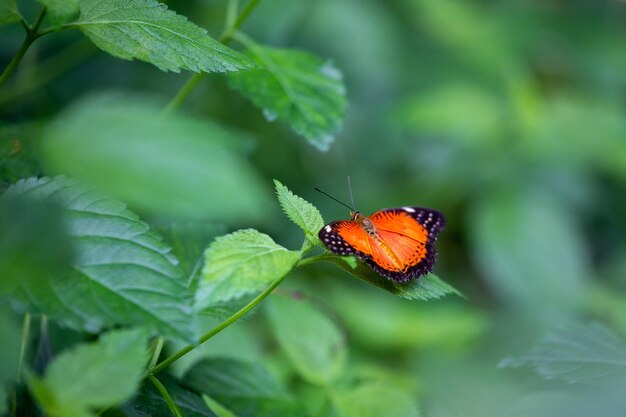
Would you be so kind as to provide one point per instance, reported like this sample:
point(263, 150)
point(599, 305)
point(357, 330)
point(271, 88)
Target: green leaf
point(60, 11)
point(148, 31)
point(149, 402)
point(297, 88)
point(373, 400)
point(217, 408)
point(424, 288)
point(311, 340)
point(300, 211)
point(589, 354)
point(241, 263)
point(8, 11)
point(531, 252)
point(165, 164)
point(9, 354)
point(121, 272)
point(246, 389)
point(92, 375)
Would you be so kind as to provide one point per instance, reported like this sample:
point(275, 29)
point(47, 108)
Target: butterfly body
point(398, 243)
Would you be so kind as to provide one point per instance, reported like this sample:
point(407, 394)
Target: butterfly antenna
point(333, 198)
point(350, 190)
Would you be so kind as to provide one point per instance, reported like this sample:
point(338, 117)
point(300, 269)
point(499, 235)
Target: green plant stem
point(158, 346)
point(226, 37)
point(314, 259)
point(31, 36)
point(23, 345)
point(166, 396)
point(182, 352)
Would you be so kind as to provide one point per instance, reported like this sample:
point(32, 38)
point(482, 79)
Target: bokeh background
point(509, 117)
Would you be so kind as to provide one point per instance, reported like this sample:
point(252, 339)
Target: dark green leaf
point(424, 288)
point(122, 273)
point(92, 375)
point(241, 263)
point(9, 354)
point(311, 340)
point(297, 88)
point(300, 211)
point(163, 163)
point(150, 402)
point(247, 389)
point(8, 11)
point(148, 31)
point(587, 354)
point(60, 11)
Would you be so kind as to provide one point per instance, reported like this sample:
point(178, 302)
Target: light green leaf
point(217, 408)
point(92, 375)
point(587, 354)
point(9, 354)
point(241, 263)
point(311, 340)
point(121, 272)
point(148, 31)
point(165, 164)
point(246, 389)
point(374, 400)
point(150, 402)
point(530, 251)
point(8, 11)
point(424, 288)
point(300, 211)
point(297, 88)
point(60, 11)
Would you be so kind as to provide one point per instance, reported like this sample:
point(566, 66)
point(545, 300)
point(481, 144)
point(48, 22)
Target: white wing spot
point(328, 228)
point(409, 209)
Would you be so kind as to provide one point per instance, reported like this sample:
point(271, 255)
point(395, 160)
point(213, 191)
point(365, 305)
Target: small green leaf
point(92, 375)
point(60, 11)
point(297, 88)
point(300, 211)
point(8, 11)
point(424, 288)
point(148, 31)
point(217, 408)
point(374, 400)
point(241, 263)
point(246, 389)
point(589, 354)
point(149, 402)
point(121, 272)
point(165, 164)
point(311, 340)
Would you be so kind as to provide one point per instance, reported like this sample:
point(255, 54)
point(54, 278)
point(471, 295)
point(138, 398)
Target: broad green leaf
point(373, 400)
point(589, 354)
point(121, 272)
point(241, 263)
point(311, 340)
point(300, 211)
point(297, 88)
point(424, 288)
point(246, 389)
point(166, 164)
point(530, 251)
point(150, 402)
point(93, 375)
point(9, 354)
point(60, 11)
point(8, 11)
point(148, 31)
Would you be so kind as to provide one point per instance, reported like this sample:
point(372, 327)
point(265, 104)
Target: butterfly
point(398, 243)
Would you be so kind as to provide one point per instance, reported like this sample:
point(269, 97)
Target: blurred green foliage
point(509, 117)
